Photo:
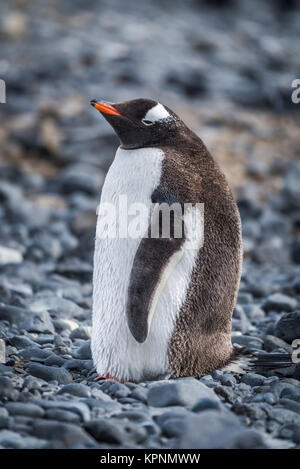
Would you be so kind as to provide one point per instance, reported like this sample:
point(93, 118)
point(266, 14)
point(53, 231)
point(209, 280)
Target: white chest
point(134, 173)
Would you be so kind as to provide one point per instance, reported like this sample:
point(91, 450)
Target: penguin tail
point(244, 361)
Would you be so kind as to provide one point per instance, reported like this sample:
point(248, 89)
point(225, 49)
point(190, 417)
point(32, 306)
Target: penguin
point(162, 306)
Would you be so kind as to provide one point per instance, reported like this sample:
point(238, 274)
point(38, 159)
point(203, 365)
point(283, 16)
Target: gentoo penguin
point(162, 306)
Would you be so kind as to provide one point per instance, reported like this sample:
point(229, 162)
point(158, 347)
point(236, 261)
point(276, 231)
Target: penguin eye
point(147, 122)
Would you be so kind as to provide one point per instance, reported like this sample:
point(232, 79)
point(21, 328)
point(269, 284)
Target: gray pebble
point(181, 392)
point(49, 373)
point(70, 435)
point(26, 409)
point(75, 389)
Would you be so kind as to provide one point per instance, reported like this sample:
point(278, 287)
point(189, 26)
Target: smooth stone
point(7, 390)
point(280, 302)
point(10, 256)
point(62, 415)
point(272, 342)
point(115, 431)
point(79, 408)
point(253, 379)
point(184, 392)
point(288, 327)
point(12, 440)
point(213, 429)
point(27, 320)
point(84, 352)
point(70, 435)
point(205, 403)
point(82, 332)
point(61, 306)
point(247, 341)
point(20, 341)
point(26, 409)
point(34, 352)
point(75, 389)
point(49, 373)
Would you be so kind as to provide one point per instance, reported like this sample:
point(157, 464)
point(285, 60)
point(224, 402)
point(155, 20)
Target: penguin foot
point(107, 378)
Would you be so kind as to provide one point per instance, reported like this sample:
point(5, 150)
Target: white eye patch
point(157, 113)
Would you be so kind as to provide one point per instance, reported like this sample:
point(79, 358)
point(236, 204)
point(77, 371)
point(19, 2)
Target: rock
point(212, 429)
point(295, 251)
point(81, 178)
point(279, 302)
point(76, 389)
point(115, 389)
point(253, 379)
point(272, 343)
point(83, 332)
point(288, 327)
point(7, 390)
point(114, 431)
point(10, 256)
point(12, 440)
point(28, 409)
point(61, 306)
point(206, 403)
point(49, 373)
point(181, 392)
point(71, 436)
point(62, 415)
point(2, 351)
point(290, 189)
point(79, 408)
point(84, 351)
point(20, 341)
point(252, 343)
point(35, 353)
point(27, 320)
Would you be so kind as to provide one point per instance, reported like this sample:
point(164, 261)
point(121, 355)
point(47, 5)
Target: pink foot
point(107, 378)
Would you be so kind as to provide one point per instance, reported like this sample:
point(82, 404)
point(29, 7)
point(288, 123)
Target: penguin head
point(140, 122)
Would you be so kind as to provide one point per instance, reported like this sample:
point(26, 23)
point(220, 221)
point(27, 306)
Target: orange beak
point(105, 108)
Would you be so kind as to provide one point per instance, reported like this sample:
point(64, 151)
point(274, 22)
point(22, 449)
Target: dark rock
point(114, 431)
point(295, 251)
point(70, 435)
point(84, 351)
point(12, 440)
point(252, 343)
point(27, 409)
point(253, 379)
point(76, 389)
point(206, 403)
point(288, 327)
point(49, 373)
point(272, 343)
point(83, 332)
point(62, 415)
point(28, 320)
point(7, 390)
point(279, 302)
point(79, 408)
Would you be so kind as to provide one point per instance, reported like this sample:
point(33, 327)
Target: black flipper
point(153, 263)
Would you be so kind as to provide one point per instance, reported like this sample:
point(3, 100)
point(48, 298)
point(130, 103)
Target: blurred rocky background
point(226, 67)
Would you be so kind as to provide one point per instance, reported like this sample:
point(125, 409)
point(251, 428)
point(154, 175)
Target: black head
point(140, 122)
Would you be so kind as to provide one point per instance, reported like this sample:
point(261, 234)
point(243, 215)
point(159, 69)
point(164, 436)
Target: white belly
point(135, 173)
